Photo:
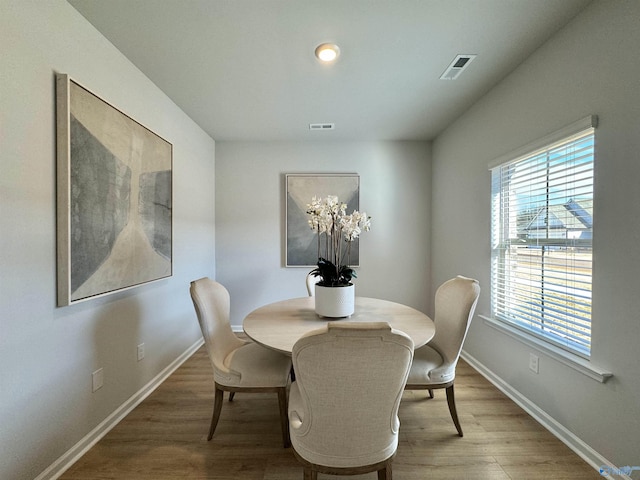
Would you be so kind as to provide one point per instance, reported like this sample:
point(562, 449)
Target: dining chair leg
point(284, 418)
point(385, 472)
point(309, 474)
point(431, 393)
point(451, 401)
point(231, 395)
point(217, 407)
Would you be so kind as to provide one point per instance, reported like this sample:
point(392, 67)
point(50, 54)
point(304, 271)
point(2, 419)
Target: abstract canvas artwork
point(302, 246)
point(114, 198)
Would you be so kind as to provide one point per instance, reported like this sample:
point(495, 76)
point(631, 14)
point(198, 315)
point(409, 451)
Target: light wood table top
point(279, 325)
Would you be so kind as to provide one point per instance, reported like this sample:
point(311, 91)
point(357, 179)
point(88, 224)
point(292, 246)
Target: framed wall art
point(114, 198)
point(301, 241)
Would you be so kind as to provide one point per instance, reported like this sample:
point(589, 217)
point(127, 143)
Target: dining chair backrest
point(311, 284)
point(212, 304)
point(455, 304)
point(350, 378)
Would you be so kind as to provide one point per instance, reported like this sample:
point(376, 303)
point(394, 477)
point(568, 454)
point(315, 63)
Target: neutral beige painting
point(114, 198)
point(301, 248)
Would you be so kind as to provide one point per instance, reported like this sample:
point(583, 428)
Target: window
point(542, 226)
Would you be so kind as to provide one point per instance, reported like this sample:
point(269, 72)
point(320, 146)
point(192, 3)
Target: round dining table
point(279, 325)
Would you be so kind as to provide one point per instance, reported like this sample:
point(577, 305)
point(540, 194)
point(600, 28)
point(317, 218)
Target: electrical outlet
point(97, 380)
point(533, 363)
point(140, 351)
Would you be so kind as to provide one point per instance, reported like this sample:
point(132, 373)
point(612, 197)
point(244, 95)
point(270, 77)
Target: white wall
point(585, 69)
point(395, 183)
point(47, 353)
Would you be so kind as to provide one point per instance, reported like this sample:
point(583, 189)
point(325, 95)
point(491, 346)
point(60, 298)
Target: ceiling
point(245, 69)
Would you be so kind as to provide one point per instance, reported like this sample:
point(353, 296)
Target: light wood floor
point(165, 437)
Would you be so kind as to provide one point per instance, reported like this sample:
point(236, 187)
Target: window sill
point(573, 361)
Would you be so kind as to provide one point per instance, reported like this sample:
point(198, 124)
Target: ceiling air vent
point(322, 126)
point(457, 66)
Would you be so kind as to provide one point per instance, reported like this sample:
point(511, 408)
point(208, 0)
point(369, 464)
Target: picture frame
point(301, 242)
point(114, 198)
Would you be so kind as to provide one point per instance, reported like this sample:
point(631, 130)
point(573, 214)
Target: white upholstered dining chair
point(343, 406)
point(434, 365)
point(238, 365)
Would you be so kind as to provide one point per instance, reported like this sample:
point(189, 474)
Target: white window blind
point(542, 226)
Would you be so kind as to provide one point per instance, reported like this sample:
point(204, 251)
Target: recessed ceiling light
point(327, 52)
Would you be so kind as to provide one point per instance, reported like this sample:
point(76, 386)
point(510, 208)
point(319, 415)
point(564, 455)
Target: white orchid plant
point(335, 229)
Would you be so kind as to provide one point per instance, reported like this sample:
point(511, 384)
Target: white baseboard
point(72, 455)
point(587, 453)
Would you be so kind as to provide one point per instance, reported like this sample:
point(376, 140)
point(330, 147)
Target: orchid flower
point(328, 217)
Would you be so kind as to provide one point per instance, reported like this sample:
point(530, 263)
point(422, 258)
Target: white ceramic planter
point(335, 302)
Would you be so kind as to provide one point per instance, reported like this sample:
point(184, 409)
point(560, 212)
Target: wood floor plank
point(165, 437)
